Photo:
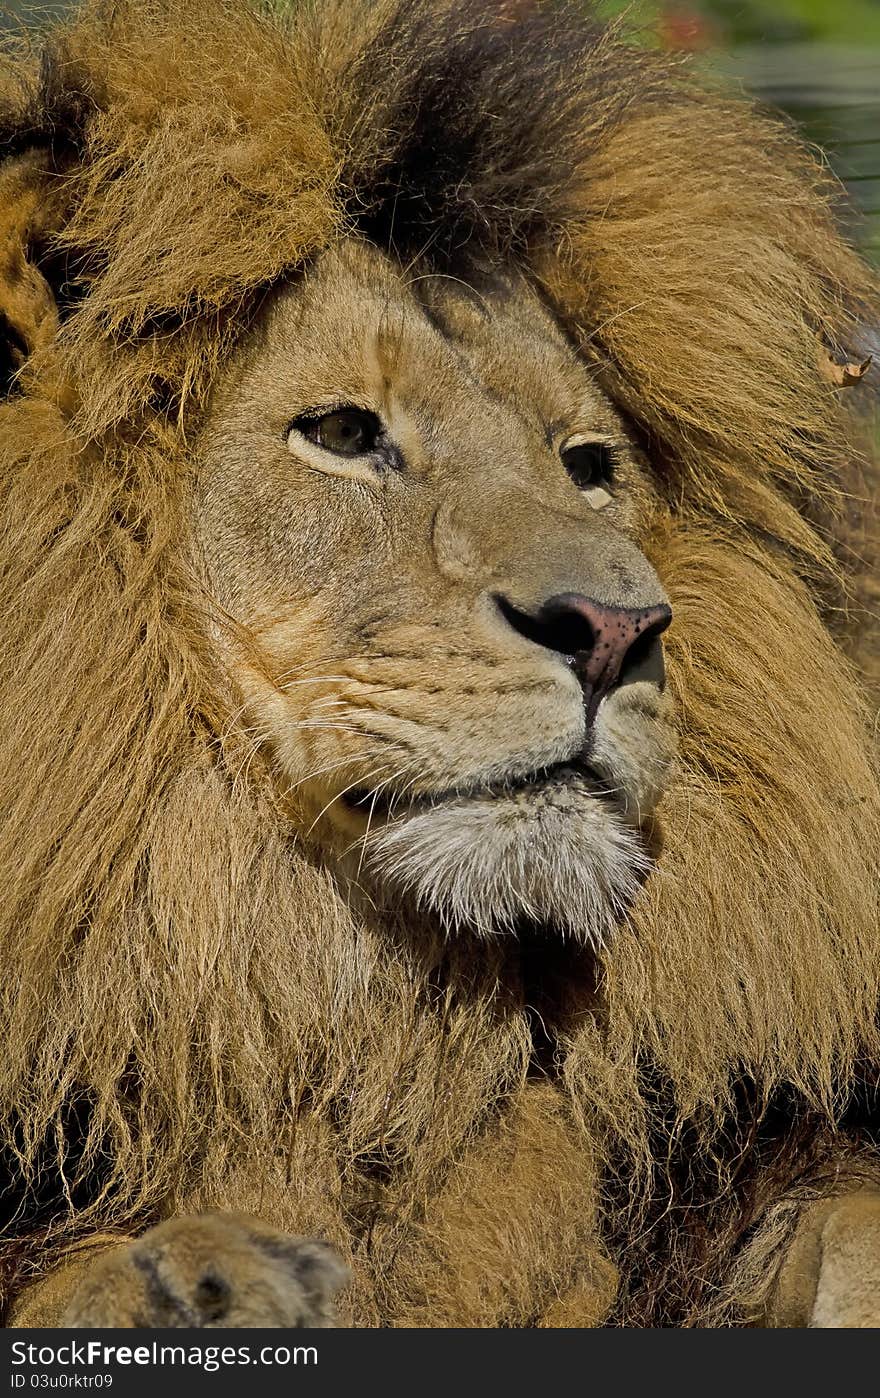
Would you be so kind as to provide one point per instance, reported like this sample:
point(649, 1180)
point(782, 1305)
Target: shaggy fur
point(192, 1014)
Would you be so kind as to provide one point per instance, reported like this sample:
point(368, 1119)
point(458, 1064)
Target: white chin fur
point(556, 855)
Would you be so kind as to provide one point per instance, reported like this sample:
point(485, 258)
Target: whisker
point(320, 772)
point(312, 679)
point(376, 794)
point(351, 787)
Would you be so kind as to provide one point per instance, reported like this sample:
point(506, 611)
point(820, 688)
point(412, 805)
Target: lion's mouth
point(385, 804)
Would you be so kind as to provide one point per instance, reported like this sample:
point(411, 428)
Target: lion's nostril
point(644, 662)
point(554, 627)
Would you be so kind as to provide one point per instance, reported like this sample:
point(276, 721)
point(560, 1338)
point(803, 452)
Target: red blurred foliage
point(685, 29)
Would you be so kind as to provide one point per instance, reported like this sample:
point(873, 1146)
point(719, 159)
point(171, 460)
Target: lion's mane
point(190, 1011)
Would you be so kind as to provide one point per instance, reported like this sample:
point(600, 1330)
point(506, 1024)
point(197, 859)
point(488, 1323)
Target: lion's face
point(419, 520)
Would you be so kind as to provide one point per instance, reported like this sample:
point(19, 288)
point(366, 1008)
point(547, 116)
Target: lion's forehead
point(437, 344)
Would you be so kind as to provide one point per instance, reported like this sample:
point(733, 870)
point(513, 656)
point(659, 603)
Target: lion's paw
point(210, 1271)
point(848, 1284)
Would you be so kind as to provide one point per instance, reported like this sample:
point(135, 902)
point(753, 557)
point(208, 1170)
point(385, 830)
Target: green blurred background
point(819, 60)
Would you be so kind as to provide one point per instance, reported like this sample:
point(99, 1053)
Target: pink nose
point(601, 638)
point(608, 645)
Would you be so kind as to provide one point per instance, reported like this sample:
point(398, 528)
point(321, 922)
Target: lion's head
point(421, 521)
point(364, 427)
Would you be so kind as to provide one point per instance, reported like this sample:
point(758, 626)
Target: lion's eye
point(345, 431)
point(589, 463)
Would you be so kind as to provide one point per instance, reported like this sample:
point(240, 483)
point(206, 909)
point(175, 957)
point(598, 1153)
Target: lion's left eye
point(345, 431)
point(590, 464)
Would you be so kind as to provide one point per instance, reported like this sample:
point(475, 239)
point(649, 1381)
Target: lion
point(440, 817)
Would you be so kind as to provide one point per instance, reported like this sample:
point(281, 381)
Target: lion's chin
point(559, 855)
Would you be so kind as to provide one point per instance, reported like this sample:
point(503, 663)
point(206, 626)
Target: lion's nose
point(608, 645)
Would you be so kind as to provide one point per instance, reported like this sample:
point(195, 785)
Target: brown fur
point(185, 990)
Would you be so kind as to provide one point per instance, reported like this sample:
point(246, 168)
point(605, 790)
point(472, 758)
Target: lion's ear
point(28, 309)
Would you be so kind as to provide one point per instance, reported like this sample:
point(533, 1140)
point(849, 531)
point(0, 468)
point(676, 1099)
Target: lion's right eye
point(345, 431)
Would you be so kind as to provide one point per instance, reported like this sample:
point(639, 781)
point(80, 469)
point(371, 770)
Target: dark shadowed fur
point(181, 1019)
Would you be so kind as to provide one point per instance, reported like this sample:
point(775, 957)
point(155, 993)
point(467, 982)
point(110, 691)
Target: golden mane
point(185, 989)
